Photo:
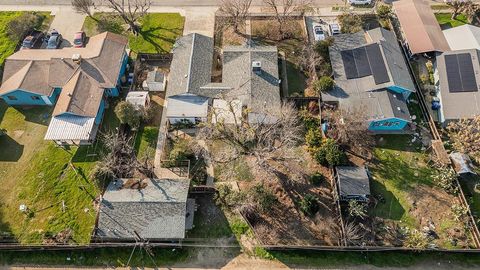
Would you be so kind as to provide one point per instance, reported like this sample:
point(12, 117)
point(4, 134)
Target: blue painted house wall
point(22, 97)
point(390, 124)
point(101, 110)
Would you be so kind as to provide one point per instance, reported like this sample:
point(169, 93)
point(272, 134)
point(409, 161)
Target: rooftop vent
point(257, 67)
point(77, 58)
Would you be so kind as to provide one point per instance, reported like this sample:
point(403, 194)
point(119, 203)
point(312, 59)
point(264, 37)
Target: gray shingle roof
point(255, 90)
point(191, 65)
point(353, 181)
point(377, 101)
point(457, 105)
point(158, 211)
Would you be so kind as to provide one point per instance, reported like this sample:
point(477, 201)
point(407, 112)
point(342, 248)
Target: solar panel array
point(460, 73)
point(364, 61)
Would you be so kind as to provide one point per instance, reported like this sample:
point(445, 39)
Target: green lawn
point(445, 20)
point(146, 141)
point(38, 174)
point(400, 169)
point(7, 45)
point(158, 30)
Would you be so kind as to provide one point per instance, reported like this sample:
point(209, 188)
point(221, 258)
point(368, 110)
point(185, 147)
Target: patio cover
point(420, 27)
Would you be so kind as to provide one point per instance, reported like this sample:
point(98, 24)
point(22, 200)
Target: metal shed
point(353, 183)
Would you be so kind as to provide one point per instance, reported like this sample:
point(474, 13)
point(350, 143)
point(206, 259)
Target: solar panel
point(361, 62)
point(349, 64)
point(380, 74)
point(460, 73)
point(365, 61)
point(467, 73)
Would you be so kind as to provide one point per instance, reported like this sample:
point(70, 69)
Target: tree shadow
point(11, 150)
point(150, 35)
point(3, 109)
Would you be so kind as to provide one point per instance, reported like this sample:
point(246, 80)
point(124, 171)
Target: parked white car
point(334, 29)
point(318, 32)
point(360, 2)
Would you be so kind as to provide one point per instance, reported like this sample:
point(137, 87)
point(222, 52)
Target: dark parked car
point(79, 39)
point(54, 41)
point(33, 40)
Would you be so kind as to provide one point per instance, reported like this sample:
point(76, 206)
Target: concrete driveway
point(67, 22)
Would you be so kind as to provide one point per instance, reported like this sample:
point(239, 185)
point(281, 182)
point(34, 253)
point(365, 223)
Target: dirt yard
point(284, 223)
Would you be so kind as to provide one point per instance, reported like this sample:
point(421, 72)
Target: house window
point(12, 97)
point(35, 97)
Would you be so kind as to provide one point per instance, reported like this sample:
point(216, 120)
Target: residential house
point(419, 27)
point(155, 209)
point(353, 183)
point(372, 76)
point(249, 77)
point(80, 78)
point(457, 79)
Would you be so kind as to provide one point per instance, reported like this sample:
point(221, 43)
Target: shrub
point(128, 114)
point(415, 239)
point(459, 212)
point(350, 23)
point(20, 26)
point(324, 84)
point(314, 138)
point(356, 209)
point(181, 151)
point(445, 179)
point(309, 205)
point(383, 11)
point(263, 198)
point(321, 47)
point(329, 153)
point(310, 121)
point(316, 179)
point(226, 197)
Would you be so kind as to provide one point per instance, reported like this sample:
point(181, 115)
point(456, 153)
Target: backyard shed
point(157, 209)
point(353, 183)
point(420, 27)
point(138, 98)
point(155, 81)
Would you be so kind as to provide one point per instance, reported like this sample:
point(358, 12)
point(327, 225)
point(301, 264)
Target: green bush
point(350, 23)
point(226, 197)
point(263, 197)
point(181, 151)
point(384, 11)
point(314, 138)
point(316, 179)
point(310, 121)
point(321, 47)
point(329, 153)
point(128, 114)
point(309, 205)
point(324, 84)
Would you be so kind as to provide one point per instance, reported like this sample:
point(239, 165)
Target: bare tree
point(456, 6)
point(120, 160)
point(130, 11)
point(471, 11)
point(350, 128)
point(236, 10)
point(465, 136)
point(84, 7)
point(284, 11)
point(267, 134)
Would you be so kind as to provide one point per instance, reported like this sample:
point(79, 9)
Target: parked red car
point(79, 39)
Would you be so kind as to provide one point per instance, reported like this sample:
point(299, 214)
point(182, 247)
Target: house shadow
point(11, 150)
point(3, 109)
point(36, 114)
point(386, 204)
point(398, 142)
